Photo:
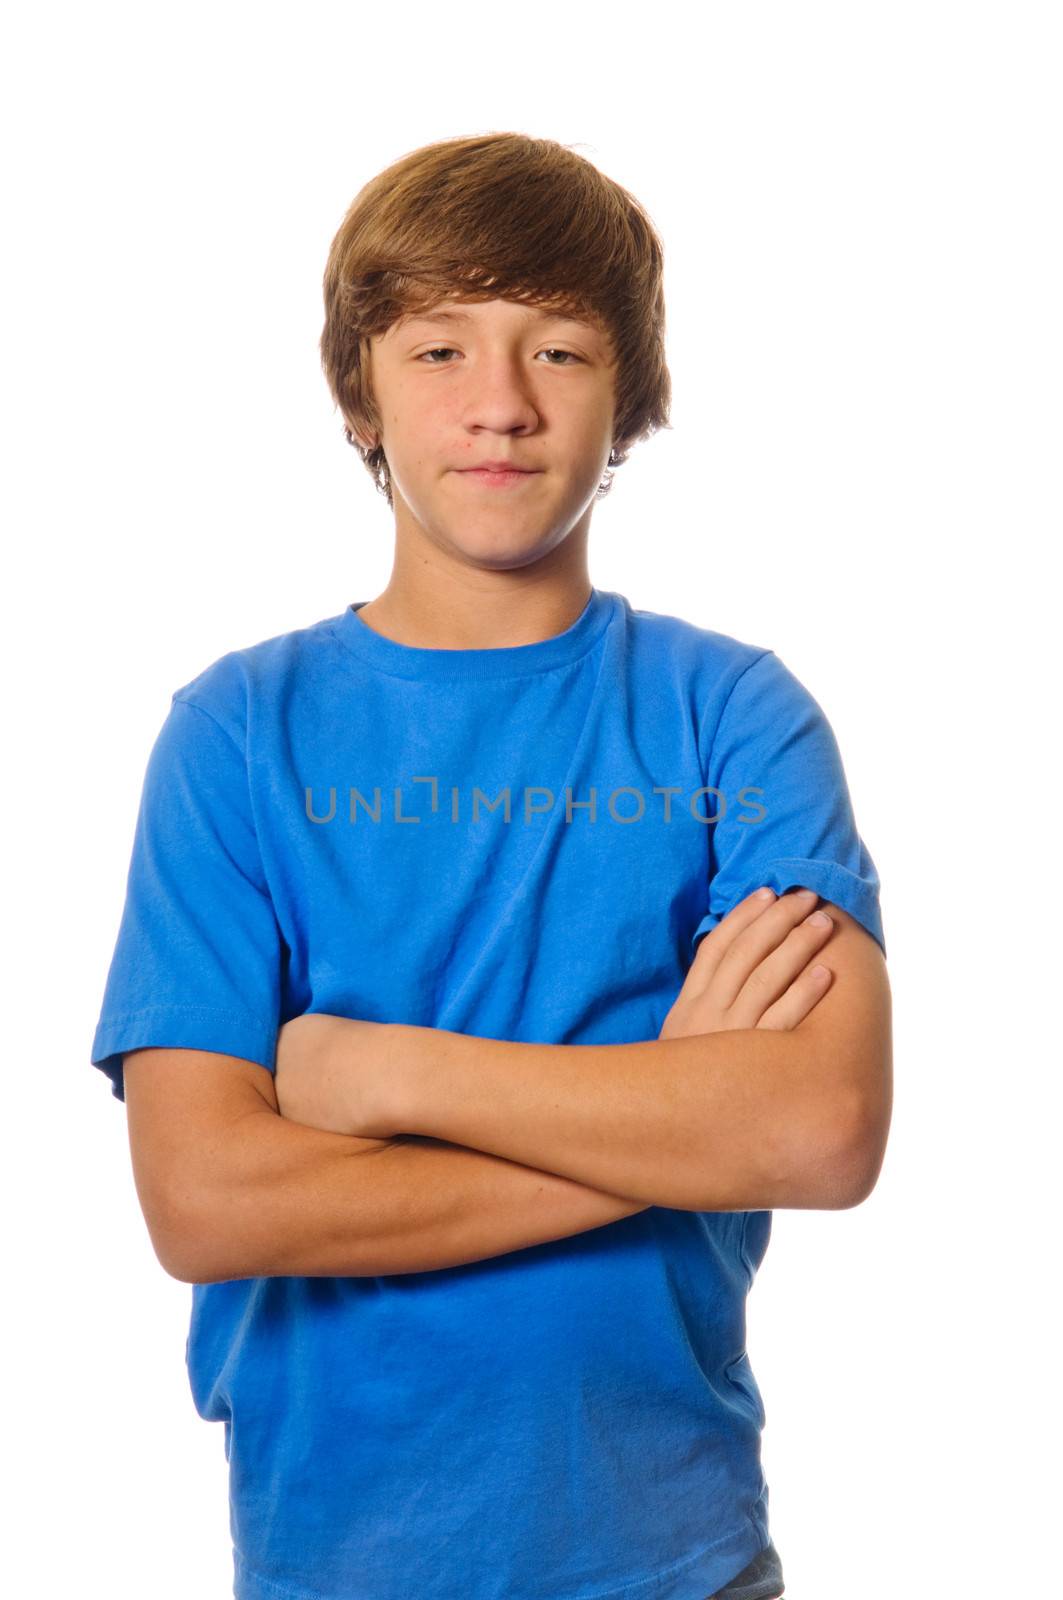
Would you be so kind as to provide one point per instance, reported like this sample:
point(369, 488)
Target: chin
point(503, 556)
point(502, 549)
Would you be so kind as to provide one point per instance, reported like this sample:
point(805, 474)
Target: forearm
point(743, 1120)
point(300, 1202)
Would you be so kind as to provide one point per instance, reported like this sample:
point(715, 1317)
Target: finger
point(803, 995)
point(718, 940)
point(774, 975)
point(759, 939)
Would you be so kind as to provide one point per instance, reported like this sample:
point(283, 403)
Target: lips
point(496, 477)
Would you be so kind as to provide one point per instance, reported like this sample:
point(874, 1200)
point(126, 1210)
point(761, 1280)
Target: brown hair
point(497, 216)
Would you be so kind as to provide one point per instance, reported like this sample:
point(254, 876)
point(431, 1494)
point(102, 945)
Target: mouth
point(499, 478)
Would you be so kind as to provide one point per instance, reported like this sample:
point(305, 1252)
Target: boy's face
point(470, 382)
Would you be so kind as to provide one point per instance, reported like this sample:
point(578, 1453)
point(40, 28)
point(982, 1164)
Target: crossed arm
point(763, 1091)
point(744, 1119)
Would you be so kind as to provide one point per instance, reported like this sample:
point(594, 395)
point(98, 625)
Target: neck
point(435, 602)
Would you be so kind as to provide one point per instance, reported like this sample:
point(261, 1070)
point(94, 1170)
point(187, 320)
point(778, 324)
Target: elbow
point(848, 1184)
point(189, 1241)
point(181, 1253)
point(189, 1264)
point(175, 1241)
point(186, 1273)
point(856, 1162)
point(212, 1255)
point(192, 1265)
point(173, 1252)
point(858, 1120)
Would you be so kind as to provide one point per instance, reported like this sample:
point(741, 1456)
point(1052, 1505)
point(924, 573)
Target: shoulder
point(688, 643)
point(230, 688)
point(738, 691)
point(710, 663)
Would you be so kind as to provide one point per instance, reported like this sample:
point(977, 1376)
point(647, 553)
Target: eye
point(443, 349)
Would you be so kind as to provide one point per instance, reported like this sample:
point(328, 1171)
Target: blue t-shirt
point(522, 843)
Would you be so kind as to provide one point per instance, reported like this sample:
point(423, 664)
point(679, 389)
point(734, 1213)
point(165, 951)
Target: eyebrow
point(465, 316)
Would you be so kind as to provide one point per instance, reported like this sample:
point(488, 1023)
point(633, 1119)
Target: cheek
point(426, 429)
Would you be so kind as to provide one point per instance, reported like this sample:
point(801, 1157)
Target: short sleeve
point(784, 814)
point(199, 956)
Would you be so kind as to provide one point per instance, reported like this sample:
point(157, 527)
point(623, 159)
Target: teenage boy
point(464, 1064)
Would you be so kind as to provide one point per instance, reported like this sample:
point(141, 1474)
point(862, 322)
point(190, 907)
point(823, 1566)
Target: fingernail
point(819, 919)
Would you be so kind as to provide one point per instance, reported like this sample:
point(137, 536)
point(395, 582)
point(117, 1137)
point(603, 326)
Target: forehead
point(465, 314)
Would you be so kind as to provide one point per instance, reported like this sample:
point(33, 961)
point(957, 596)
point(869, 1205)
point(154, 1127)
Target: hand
point(329, 1072)
point(754, 969)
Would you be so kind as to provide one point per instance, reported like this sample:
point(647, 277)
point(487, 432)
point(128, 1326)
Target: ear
point(362, 438)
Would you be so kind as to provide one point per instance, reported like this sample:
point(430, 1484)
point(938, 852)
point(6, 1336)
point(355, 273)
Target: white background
point(860, 207)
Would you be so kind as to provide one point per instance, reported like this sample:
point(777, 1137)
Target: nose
point(502, 397)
